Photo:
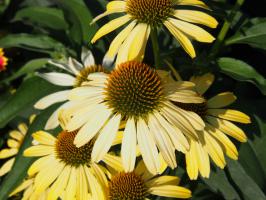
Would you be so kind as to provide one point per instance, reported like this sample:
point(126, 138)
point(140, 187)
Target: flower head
point(3, 60)
point(140, 184)
point(144, 100)
point(213, 140)
point(144, 15)
point(75, 75)
point(65, 169)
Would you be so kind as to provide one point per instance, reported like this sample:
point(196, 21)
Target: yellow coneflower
point(75, 74)
point(139, 184)
point(213, 141)
point(13, 143)
point(3, 60)
point(144, 15)
point(66, 170)
point(137, 95)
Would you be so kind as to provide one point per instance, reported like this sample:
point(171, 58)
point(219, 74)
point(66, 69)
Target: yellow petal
point(118, 138)
point(105, 139)
point(181, 38)
point(23, 128)
point(193, 31)
point(197, 3)
point(163, 141)
point(196, 17)
point(110, 26)
point(44, 138)
point(13, 143)
point(59, 185)
point(119, 39)
point(71, 187)
point(170, 191)
point(100, 176)
point(147, 147)
point(40, 164)
point(38, 150)
point(114, 162)
point(22, 186)
point(7, 166)
point(202, 82)
point(82, 184)
point(129, 144)
point(221, 100)
point(47, 176)
point(16, 135)
point(230, 148)
point(163, 180)
point(191, 162)
point(232, 115)
point(138, 44)
point(6, 153)
point(215, 150)
point(228, 128)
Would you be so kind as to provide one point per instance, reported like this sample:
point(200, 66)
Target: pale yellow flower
point(213, 140)
point(141, 16)
point(142, 98)
point(66, 170)
point(140, 184)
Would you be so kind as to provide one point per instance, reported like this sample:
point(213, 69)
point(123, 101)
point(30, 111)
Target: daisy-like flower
point(135, 94)
point(76, 74)
point(140, 184)
point(3, 60)
point(26, 187)
point(213, 140)
point(14, 142)
point(144, 15)
point(66, 170)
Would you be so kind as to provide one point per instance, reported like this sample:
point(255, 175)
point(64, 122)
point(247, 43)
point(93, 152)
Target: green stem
point(155, 47)
point(225, 28)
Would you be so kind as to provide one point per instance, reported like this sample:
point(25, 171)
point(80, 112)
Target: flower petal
point(221, 100)
point(170, 191)
point(56, 78)
point(232, 115)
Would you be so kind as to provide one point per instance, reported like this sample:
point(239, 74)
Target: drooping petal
point(170, 191)
point(110, 26)
point(196, 17)
point(147, 147)
point(202, 83)
point(221, 100)
point(181, 38)
point(44, 138)
point(128, 148)
point(228, 114)
point(38, 150)
point(87, 57)
point(6, 167)
point(105, 139)
point(57, 78)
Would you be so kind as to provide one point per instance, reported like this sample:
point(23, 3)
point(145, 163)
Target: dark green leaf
point(29, 67)
point(79, 18)
point(249, 160)
point(42, 16)
point(245, 183)
point(219, 183)
point(241, 71)
point(27, 94)
point(253, 34)
point(21, 165)
point(39, 43)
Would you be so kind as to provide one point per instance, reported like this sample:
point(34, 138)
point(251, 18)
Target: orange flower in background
point(3, 60)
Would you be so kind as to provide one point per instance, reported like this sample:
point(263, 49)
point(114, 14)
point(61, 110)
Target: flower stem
point(155, 47)
point(225, 28)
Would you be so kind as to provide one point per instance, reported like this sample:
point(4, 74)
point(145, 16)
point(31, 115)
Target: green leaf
point(241, 71)
point(259, 143)
point(42, 16)
point(245, 183)
point(21, 165)
point(249, 160)
point(39, 43)
point(253, 34)
point(79, 17)
point(219, 183)
point(29, 67)
point(27, 94)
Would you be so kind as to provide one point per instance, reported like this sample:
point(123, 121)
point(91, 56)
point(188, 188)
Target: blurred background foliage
point(33, 31)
